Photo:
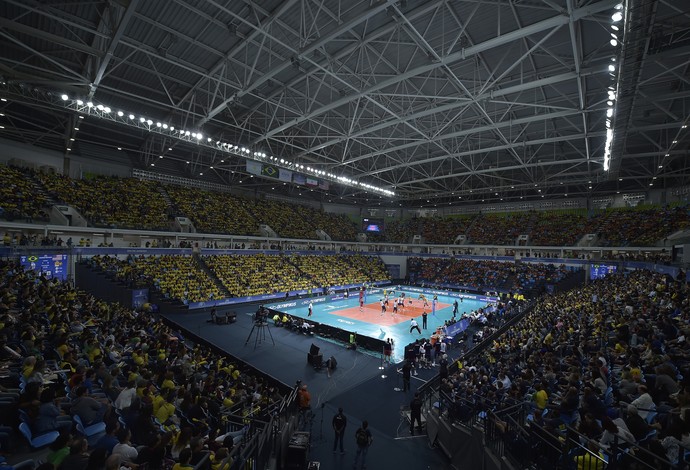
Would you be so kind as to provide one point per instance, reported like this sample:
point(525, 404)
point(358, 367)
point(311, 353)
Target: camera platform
point(261, 327)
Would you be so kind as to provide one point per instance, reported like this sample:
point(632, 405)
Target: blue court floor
point(369, 321)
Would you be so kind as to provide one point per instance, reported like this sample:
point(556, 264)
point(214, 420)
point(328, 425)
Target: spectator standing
point(406, 373)
point(416, 413)
point(339, 425)
point(364, 439)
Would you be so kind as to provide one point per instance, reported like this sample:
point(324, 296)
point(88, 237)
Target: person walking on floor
point(407, 375)
point(416, 413)
point(364, 439)
point(339, 424)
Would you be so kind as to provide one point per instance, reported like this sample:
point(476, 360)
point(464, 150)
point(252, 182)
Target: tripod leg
point(271, 335)
point(250, 336)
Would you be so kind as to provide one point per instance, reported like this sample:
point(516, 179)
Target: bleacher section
point(599, 374)
point(111, 202)
point(138, 204)
point(73, 364)
point(182, 278)
point(485, 275)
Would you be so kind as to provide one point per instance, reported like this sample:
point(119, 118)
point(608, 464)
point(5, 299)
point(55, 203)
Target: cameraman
point(261, 315)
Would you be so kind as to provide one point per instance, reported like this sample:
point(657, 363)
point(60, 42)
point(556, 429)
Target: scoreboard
point(598, 271)
point(53, 266)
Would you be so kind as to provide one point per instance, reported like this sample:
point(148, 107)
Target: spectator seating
point(111, 202)
point(19, 198)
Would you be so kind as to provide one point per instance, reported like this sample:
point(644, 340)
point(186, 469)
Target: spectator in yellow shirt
point(540, 397)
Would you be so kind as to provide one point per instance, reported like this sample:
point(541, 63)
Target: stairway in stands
point(38, 188)
point(225, 293)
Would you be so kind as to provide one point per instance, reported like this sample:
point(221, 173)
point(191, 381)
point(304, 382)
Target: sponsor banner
point(130, 251)
point(458, 327)
point(284, 305)
point(233, 301)
point(285, 175)
point(459, 295)
point(253, 168)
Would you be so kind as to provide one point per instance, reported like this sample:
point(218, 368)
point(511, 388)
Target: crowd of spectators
point(182, 277)
point(484, 275)
point(499, 229)
point(444, 230)
point(257, 274)
point(398, 231)
point(557, 229)
point(19, 198)
point(338, 226)
point(213, 212)
point(340, 270)
point(158, 397)
point(283, 219)
point(639, 226)
point(111, 202)
point(597, 359)
point(177, 277)
point(263, 274)
point(139, 204)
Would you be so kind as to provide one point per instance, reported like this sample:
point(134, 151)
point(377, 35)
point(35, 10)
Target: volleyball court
point(370, 312)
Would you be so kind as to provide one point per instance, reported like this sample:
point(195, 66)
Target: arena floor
point(369, 321)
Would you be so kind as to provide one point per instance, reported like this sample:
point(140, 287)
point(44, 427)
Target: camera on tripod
point(261, 315)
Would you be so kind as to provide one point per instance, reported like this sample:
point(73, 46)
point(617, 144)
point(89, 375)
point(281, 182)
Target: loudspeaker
point(315, 360)
point(314, 350)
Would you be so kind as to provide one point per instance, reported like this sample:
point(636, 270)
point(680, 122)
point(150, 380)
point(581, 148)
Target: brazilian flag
point(270, 171)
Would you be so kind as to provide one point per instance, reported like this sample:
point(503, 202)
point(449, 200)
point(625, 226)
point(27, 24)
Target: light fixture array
point(196, 136)
point(617, 33)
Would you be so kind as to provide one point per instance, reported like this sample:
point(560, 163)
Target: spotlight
point(158, 124)
point(89, 104)
point(614, 42)
point(80, 102)
point(149, 122)
point(120, 113)
point(107, 109)
point(142, 120)
point(100, 107)
point(131, 116)
point(612, 68)
point(617, 16)
point(165, 126)
point(64, 97)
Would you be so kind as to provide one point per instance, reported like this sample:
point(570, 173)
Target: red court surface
point(371, 313)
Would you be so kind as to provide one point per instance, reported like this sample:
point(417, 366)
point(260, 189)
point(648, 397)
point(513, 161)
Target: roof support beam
point(114, 41)
point(451, 58)
point(308, 50)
